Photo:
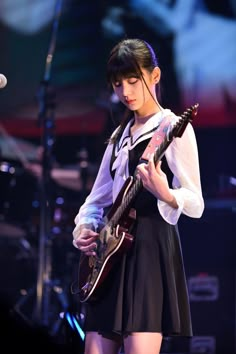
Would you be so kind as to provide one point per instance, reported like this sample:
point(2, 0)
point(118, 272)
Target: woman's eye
point(132, 82)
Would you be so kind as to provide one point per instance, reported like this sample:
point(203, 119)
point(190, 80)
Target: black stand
point(46, 286)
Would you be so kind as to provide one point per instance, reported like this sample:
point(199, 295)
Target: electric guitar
point(115, 238)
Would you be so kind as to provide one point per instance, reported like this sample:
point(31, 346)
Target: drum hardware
point(5, 167)
point(46, 287)
point(16, 204)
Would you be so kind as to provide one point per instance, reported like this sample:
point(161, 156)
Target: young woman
point(146, 297)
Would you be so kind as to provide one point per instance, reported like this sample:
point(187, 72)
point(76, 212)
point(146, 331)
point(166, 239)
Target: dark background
point(81, 115)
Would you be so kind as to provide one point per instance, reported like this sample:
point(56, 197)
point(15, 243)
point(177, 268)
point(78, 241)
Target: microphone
point(3, 81)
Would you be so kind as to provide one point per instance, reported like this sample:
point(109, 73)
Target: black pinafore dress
point(146, 291)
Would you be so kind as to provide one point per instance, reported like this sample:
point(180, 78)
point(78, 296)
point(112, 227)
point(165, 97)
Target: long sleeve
point(183, 160)
point(92, 210)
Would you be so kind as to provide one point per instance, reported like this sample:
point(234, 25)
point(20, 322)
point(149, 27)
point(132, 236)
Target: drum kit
point(19, 202)
point(20, 219)
point(13, 196)
point(36, 205)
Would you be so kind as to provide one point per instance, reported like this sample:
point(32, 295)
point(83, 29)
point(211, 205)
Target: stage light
point(74, 324)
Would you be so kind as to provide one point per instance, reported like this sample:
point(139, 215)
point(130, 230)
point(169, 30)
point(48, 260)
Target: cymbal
point(11, 231)
point(71, 178)
point(13, 148)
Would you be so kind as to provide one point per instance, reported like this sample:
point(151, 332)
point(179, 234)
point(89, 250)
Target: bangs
point(122, 66)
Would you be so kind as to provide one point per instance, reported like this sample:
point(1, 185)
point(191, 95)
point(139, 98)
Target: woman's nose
point(125, 90)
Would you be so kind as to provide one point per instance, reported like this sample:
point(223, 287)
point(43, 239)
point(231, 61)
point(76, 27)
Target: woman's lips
point(130, 102)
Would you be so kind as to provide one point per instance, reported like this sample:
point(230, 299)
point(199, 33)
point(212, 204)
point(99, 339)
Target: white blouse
point(182, 159)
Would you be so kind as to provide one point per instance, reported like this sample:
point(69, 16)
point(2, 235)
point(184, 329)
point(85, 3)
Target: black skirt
point(146, 290)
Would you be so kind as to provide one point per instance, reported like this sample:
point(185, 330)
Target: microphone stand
point(46, 121)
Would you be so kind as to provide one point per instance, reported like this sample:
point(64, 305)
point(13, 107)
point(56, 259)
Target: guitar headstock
point(187, 117)
point(163, 135)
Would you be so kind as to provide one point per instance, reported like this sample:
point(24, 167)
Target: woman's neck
point(141, 118)
point(142, 115)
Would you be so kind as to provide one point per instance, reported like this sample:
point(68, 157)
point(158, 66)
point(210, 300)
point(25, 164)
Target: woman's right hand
point(86, 241)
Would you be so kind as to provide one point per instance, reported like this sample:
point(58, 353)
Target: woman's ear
point(156, 74)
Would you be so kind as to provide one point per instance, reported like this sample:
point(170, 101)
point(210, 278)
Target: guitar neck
point(137, 185)
point(128, 198)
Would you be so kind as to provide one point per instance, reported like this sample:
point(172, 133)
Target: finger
point(141, 167)
point(89, 250)
point(151, 163)
point(90, 253)
point(143, 175)
point(151, 169)
point(88, 234)
point(84, 244)
point(158, 167)
point(140, 171)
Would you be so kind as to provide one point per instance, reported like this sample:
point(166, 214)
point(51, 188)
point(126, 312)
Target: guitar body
point(113, 241)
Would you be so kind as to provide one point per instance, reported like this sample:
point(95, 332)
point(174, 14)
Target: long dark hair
point(127, 59)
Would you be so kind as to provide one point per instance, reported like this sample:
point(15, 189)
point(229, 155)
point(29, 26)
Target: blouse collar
point(142, 133)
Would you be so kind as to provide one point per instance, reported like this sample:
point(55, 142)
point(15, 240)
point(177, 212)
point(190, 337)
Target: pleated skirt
point(146, 290)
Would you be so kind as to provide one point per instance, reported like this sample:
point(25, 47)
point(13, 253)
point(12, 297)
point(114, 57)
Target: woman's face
point(133, 92)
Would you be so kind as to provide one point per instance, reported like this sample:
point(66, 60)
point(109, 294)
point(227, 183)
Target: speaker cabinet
point(209, 247)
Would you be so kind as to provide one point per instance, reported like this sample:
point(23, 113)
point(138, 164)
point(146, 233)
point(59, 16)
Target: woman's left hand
point(155, 181)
